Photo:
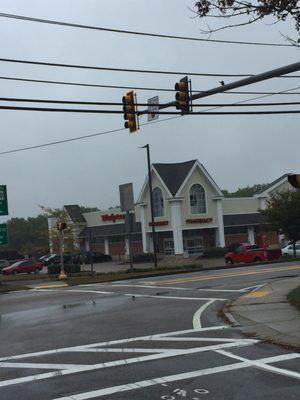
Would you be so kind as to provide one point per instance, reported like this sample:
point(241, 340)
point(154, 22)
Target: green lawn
point(294, 297)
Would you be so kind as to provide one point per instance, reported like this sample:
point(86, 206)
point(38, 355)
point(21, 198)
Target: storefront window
point(197, 199)
point(158, 202)
point(193, 245)
point(168, 247)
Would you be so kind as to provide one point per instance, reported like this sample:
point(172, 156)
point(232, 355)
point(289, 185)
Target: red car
point(24, 266)
point(247, 253)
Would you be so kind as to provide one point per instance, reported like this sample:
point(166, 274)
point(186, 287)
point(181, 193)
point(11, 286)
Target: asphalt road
point(156, 338)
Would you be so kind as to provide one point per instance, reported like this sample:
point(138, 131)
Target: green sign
point(3, 200)
point(3, 234)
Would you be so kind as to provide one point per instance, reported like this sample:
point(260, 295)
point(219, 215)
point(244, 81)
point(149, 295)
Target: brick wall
point(238, 238)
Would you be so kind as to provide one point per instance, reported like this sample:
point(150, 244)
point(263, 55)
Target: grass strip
point(294, 297)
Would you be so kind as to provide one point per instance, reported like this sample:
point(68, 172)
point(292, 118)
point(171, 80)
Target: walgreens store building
point(191, 214)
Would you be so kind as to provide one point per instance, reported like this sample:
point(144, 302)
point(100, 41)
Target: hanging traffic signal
point(61, 226)
point(294, 180)
point(183, 95)
point(130, 109)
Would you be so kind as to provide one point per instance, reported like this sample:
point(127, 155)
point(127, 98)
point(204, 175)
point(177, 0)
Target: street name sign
point(3, 200)
point(3, 234)
point(153, 108)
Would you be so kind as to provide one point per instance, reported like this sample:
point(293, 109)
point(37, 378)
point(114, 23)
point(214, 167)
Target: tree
point(28, 236)
point(247, 191)
point(283, 213)
point(249, 11)
point(54, 235)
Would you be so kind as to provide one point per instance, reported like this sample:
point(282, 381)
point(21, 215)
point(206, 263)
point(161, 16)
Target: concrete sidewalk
point(267, 314)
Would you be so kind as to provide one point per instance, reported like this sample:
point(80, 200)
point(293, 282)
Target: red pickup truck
point(248, 253)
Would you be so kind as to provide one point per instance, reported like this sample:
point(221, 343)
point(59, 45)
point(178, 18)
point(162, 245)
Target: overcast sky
point(236, 150)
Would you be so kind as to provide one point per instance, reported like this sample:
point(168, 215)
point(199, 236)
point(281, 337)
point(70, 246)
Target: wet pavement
point(156, 338)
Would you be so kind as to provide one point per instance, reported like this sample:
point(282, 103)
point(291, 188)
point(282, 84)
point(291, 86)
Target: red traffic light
point(61, 226)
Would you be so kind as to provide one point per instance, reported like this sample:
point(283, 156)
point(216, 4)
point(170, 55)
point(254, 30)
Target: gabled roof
point(272, 185)
point(75, 213)
point(174, 175)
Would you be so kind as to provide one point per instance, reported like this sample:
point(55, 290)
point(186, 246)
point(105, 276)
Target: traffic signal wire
point(9, 78)
point(137, 33)
point(130, 70)
point(103, 103)
point(95, 111)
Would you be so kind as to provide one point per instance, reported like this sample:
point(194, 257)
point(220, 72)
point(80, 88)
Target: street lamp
point(151, 202)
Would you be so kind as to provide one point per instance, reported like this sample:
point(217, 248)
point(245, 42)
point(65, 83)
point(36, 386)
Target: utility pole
point(151, 203)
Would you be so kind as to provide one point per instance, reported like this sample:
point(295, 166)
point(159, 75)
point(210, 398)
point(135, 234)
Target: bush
point(215, 252)
point(54, 269)
point(144, 257)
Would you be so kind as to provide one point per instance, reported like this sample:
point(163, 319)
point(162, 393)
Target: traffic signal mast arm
point(234, 85)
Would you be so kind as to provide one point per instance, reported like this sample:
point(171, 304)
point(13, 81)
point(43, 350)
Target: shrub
point(144, 257)
point(54, 269)
point(215, 252)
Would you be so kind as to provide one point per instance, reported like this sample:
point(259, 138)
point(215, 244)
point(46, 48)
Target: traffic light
point(294, 180)
point(61, 226)
point(183, 95)
point(129, 108)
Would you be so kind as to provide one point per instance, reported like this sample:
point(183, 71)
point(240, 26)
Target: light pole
point(151, 203)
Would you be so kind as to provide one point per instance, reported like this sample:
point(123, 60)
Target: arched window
point(158, 202)
point(197, 199)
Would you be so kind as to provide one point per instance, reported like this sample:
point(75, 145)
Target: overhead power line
point(154, 89)
point(74, 139)
point(142, 71)
point(95, 111)
point(137, 33)
point(106, 103)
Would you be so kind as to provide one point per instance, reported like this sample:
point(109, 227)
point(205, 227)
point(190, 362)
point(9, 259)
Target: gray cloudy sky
point(236, 150)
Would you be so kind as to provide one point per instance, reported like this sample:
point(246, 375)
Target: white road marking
point(124, 350)
point(210, 339)
point(131, 294)
point(127, 361)
point(171, 288)
point(198, 313)
point(113, 342)
point(38, 365)
point(262, 363)
point(173, 297)
point(163, 380)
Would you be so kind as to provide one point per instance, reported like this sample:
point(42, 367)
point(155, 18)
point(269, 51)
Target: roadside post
point(91, 255)
point(61, 226)
point(127, 205)
point(3, 212)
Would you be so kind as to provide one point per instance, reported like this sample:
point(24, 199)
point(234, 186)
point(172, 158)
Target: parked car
point(289, 250)
point(97, 257)
point(3, 264)
point(24, 266)
point(247, 253)
point(69, 258)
